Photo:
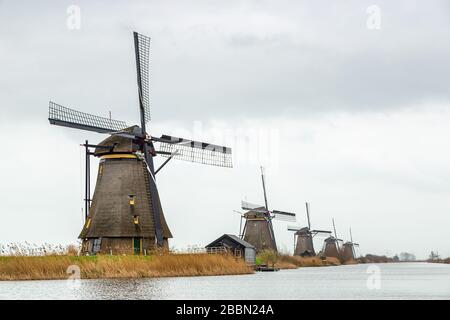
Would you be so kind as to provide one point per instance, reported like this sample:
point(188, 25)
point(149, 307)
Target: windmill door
point(137, 245)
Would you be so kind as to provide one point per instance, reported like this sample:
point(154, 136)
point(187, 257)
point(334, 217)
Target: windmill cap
point(121, 144)
point(304, 230)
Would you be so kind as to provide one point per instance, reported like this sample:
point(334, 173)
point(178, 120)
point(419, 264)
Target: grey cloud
point(226, 60)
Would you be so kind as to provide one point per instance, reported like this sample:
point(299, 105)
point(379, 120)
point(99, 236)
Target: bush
point(268, 257)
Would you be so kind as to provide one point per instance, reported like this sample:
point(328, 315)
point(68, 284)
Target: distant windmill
point(348, 249)
point(126, 215)
point(303, 237)
point(331, 246)
point(258, 229)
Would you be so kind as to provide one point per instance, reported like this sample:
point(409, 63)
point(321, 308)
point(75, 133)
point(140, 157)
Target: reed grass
point(286, 261)
point(446, 261)
point(32, 249)
point(349, 262)
point(104, 266)
point(293, 262)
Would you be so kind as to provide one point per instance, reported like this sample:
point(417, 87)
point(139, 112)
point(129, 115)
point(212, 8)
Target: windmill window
point(132, 199)
point(97, 245)
point(136, 219)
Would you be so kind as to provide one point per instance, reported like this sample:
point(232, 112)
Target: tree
point(434, 256)
point(406, 256)
point(270, 257)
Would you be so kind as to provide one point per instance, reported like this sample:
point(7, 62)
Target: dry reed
point(168, 265)
point(293, 262)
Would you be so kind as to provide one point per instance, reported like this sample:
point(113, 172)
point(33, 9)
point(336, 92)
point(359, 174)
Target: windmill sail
point(155, 203)
point(263, 178)
point(194, 151)
point(142, 50)
point(62, 116)
point(252, 207)
point(321, 231)
point(307, 215)
point(282, 215)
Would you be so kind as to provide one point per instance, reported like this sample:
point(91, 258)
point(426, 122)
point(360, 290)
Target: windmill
point(348, 249)
point(303, 237)
point(125, 214)
point(331, 246)
point(258, 228)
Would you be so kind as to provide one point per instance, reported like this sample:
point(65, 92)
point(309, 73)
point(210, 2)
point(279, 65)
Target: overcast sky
point(346, 104)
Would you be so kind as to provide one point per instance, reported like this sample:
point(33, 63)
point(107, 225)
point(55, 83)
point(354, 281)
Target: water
point(396, 281)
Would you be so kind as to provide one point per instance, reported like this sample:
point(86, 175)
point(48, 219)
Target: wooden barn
point(233, 245)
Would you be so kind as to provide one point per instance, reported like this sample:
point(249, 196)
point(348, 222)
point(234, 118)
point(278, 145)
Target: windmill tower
point(331, 246)
point(125, 214)
point(258, 228)
point(348, 249)
point(303, 237)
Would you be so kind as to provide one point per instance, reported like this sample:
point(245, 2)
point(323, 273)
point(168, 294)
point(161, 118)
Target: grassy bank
point(168, 265)
point(371, 258)
point(293, 262)
point(446, 261)
point(285, 261)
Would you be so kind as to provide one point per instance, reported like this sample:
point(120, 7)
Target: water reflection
point(397, 281)
point(124, 288)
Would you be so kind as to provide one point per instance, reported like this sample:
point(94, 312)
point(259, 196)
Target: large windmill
point(125, 213)
point(258, 229)
point(348, 249)
point(303, 237)
point(331, 247)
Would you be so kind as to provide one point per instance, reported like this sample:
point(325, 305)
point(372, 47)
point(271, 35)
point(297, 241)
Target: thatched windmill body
point(258, 228)
point(303, 237)
point(125, 214)
point(348, 249)
point(331, 246)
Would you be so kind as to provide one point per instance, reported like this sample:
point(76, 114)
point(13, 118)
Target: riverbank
point(415, 281)
point(294, 262)
point(285, 261)
point(445, 261)
point(54, 267)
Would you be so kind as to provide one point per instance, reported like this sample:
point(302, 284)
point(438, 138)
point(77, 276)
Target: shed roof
point(233, 238)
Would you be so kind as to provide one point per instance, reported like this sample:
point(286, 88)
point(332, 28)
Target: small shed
point(234, 245)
